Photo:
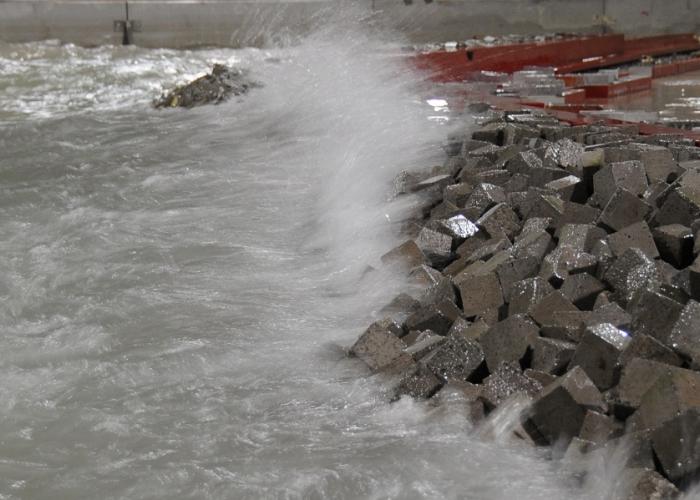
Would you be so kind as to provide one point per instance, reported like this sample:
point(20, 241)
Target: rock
point(508, 340)
point(624, 209)
point(636, 235)
point(551, 355)
point(685, 335)
point(407, 255)
point(675, 243)
point(582, 290)
point(456, 359)
point(677, 445)
point(557, 413)
point(631, 272)
point(598, 352)
point(526, 293)
point(500, 221)
point(628, 175)
point(213, 88)
point(654, 314)
point(507, 379)
point(647, 347)
point(379, 346)
point(480, 293)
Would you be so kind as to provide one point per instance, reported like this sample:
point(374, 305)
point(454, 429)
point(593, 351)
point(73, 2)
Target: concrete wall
point(183, 23)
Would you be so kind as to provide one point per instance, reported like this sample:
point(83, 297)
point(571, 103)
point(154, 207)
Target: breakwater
point(561, 280)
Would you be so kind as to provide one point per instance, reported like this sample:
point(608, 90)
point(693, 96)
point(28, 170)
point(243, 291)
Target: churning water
point(177, 286)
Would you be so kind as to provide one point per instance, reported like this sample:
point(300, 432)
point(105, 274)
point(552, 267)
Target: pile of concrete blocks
point(562, 265)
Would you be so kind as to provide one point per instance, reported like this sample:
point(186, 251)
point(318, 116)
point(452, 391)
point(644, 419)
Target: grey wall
point(181, 23)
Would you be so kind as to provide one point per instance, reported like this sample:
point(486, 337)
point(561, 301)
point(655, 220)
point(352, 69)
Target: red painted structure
point(566, 56)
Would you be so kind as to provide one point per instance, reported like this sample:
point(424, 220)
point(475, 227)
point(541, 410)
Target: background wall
point(183, 23)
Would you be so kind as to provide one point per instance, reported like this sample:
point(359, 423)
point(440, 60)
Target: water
point(177, 286)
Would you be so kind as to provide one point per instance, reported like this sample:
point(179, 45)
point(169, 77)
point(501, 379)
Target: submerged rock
point(212, 88)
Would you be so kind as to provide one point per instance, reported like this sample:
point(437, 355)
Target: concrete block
point(551, 355)
point(407, 255)
point(500, 221)
point(524, 163)
point(675, 243)
point(543, 312)
point(534, 244)
point(497, 177)
point(636, 235)
point(513, 271)
point(459, 228)
point(647, 347)
point(582, 290)
point(575, 213)
point(637, 376)
point(693, 272)
point(506, 380)
point(509, 340)
point(685, 335)
point(644, 484)
point(436, 246)
point(526, 293)
point(544, 176)
point(564, 261)
point(582, 237)
point(533, 225)
point(631, 272)
point(610, 313)
point(435, 317)
point(425, 342)
point(479, 293)
point(682, 205)
point(419, 384)
point(471, 331)
point(565, 325)
point(676, 444)
point(539, 205)
point(517, 182)
point(570, 188)
point(597, 354)
point(674, 392)
point(598, 428)
point(566, 153)
point(436, 183)
point(379, 345)
point(457, 194)
point(492, 132)
point(483, 197)
point(456, 359)
point(557, 413)
point(624, 209)
point(543, 378)
point(654, 314)
point(628, 175)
